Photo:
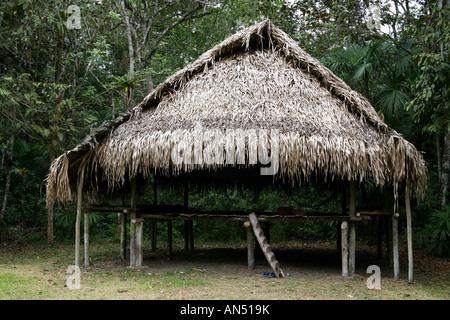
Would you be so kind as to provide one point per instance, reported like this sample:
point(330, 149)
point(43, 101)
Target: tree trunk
point(9, 160)
point(443, 140)
point(150, 85)
point(443, 162)
point(50, 210)
point(113, 105)
point(445, 171)
point(131, 53)
point(394, 22)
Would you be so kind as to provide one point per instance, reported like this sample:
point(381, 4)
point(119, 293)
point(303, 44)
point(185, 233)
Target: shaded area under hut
point(256, 110)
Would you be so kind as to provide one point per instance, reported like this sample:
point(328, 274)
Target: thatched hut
point(255, 99)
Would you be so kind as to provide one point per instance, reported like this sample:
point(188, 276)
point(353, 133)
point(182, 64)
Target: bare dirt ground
point(296, 259)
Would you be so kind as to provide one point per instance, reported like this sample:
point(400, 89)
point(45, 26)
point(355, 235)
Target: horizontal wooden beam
point(161, 209)
point(174, 212)
point(145, 208)
point(106, 209)
point(376, 213)
point(234, 217)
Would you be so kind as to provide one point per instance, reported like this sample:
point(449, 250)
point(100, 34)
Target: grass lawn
point(39, 271)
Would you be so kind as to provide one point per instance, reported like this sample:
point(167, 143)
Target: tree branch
point(188, 16)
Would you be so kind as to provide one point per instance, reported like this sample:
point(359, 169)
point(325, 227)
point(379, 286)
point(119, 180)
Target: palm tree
point(382, 73)
point(359, 65)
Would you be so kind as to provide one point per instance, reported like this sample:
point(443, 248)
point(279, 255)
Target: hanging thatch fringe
point(255, 98)
point(58, 186)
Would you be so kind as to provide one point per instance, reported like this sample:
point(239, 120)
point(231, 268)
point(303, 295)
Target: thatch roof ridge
point(242, 39)
point(277, 39)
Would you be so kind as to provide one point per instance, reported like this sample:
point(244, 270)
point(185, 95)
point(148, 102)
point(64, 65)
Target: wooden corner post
point(352, 229)
point(250, 246)
point(139, 230)
point(395, 254)
point(79, 211)
point(344, 248)
point(86, 239)
point(409, 236)
point(133, 225)
point(155, 202)
point(123, 234)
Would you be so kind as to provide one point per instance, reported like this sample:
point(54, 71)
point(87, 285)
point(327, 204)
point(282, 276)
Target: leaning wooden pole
point(409, 237)
point(133, 225)
point(78, 218)
point(352, 230)
point(265, 247)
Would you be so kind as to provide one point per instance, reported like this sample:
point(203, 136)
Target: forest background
point(68, 66)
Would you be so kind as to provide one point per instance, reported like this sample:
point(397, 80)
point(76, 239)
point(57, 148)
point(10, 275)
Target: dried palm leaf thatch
point(257, 97)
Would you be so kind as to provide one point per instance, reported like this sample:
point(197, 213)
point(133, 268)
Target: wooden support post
point(267, 230)
point(191, 235)
point(86, 239)
point(186, 222)
point(186, 235)
point(155, 202)
point(409, 237)
point(352, 230)
point(186, 195)
point(395, 254)
point(389, 242)
point(78, 218)
point(154, 234)
point(338, 238)
point(139, 229)
point(155, 189)
point(250, 246)
point(133, 225)
point(344, 248)
point(169, 237)
point(379, 236)
point(343, 212)
point(352, 249)
point(123, 234)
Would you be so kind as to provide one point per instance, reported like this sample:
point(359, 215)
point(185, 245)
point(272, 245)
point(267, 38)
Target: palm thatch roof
point(256, 93)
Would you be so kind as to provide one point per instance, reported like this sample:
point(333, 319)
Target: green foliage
point(431, 86)
point(101, 226)
point(58, 84)
point(439, 232)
